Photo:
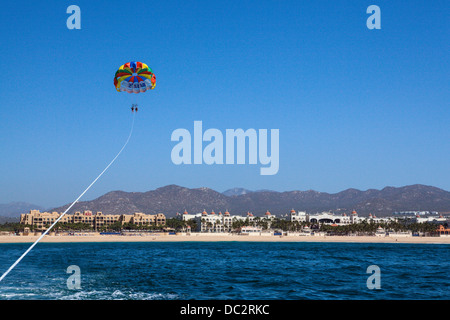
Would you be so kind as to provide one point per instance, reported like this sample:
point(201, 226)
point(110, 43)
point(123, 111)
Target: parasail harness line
point(73, 203)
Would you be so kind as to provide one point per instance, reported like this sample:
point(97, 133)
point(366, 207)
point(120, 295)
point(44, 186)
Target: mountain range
point(172, 199)
point(10, 211)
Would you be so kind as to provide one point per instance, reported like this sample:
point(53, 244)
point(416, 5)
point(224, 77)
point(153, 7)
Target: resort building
point(306, 231)
point(443, 232)
point(332, 219)
point(380, 232)
point(414, 213)
point(300, 216)
point(325, 218)
point(41, 220)
point(78, 217)
point(432, 219)
point(218, 222)
point(140, 219)
point(374, 218)
point(251, 230)
point(211, 222)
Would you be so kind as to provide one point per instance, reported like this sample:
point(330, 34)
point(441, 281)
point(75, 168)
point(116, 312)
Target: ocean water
point(226, 270)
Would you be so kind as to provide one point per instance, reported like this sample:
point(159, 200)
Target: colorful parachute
point(134, 77)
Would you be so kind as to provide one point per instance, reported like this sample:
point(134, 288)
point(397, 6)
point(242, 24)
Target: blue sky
point(356, 108)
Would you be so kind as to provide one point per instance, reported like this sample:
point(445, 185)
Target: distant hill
point(10, 212)
point(236, 192)
point(240, 191)
point(172, 199)
point(14, 209)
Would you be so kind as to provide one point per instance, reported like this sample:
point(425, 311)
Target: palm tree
point(265, 224)
point(192, 223)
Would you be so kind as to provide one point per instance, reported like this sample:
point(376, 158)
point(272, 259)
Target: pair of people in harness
point(134, 107)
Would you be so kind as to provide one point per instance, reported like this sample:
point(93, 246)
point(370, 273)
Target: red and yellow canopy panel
point(134, 77)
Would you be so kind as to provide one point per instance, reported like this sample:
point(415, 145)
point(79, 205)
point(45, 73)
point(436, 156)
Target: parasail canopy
point(134, 77)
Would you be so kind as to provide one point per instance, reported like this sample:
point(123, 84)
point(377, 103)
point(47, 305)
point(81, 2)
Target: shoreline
point(221, 238)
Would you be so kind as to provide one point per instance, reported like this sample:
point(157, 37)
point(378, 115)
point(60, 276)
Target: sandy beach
point(220, 237)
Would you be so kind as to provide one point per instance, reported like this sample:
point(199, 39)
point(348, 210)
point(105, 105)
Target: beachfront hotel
point(218, 222)
point(40, 220)
point(332, 219)
point(344, 219)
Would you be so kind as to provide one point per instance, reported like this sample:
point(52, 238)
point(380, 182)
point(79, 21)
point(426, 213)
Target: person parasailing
point(134, 77)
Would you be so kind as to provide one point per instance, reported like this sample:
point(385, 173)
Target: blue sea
point(226, 270)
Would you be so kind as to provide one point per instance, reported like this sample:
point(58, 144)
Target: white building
point(300, 216)
point(432, 219)
point(415, 213)
point(251, 230)
point(306, 231)
point(325, 217)
point(380, 232)
point(340, 220)
point(374, 218)
point(218, 222)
